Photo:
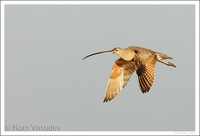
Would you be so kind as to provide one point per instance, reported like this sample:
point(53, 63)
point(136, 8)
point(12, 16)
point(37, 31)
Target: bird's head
point(117, 51)
point(123, 53)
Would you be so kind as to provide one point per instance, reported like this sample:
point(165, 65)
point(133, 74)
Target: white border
point(197, 67)
point(196, 132)
point(99, 2)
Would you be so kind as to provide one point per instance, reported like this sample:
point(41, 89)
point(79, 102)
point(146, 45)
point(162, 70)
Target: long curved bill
point(98, 53)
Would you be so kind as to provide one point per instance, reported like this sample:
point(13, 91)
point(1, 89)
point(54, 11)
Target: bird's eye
point(116, 49)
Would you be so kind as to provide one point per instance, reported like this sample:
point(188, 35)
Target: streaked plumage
point(132, 58)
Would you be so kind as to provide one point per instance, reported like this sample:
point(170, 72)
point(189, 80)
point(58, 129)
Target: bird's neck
point(127, 55)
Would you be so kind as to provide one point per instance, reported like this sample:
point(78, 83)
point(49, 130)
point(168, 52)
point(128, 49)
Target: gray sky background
point(48, 83)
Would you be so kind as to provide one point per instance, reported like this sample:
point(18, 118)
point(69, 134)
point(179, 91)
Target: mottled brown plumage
point(132, 58)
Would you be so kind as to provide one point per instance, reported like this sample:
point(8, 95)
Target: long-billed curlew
point(132, 58)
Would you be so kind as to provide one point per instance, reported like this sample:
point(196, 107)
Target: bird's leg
point(167, 63)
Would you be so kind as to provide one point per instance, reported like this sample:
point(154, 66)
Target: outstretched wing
point(145, 71)
point(120, 75)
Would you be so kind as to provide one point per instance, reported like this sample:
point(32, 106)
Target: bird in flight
point(132, 59)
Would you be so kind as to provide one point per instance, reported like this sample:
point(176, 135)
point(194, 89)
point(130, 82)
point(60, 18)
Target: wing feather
point(119, 77)
point(146, 72)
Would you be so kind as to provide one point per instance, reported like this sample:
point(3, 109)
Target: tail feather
point(161, 56)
